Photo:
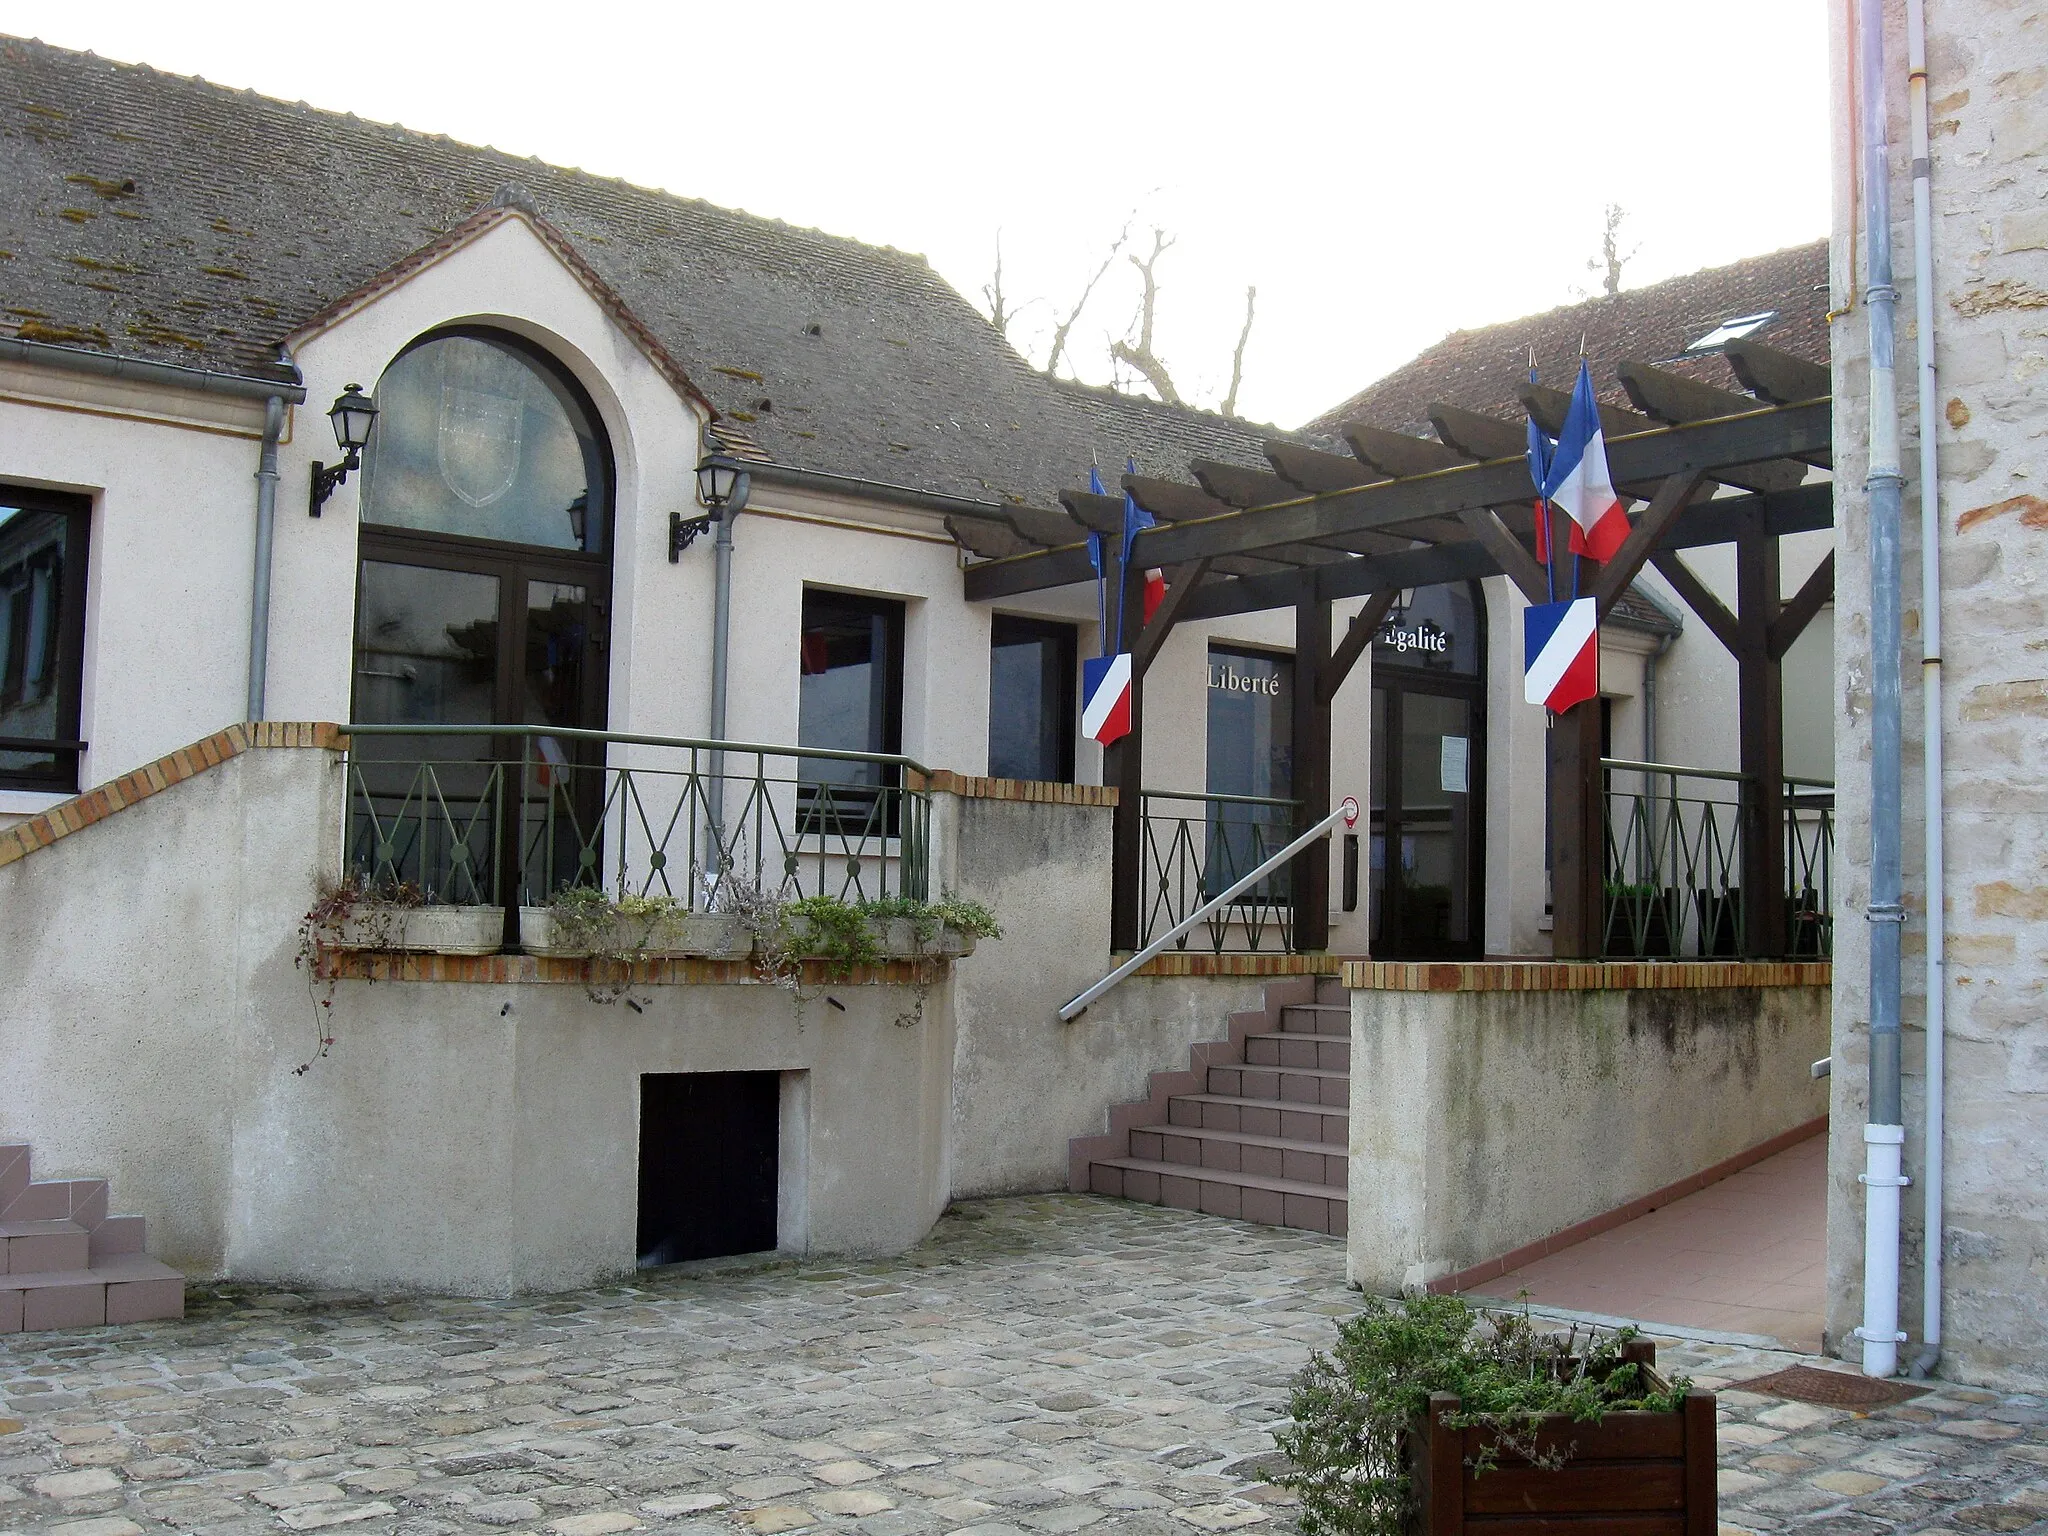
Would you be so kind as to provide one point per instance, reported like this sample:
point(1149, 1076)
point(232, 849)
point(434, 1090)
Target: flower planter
point(673, 936)
point(423, 930)
point(1651, 914)
point(895, 939)
point(1632, 1471)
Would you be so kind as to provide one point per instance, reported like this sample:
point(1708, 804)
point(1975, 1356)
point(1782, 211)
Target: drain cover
point(1831, 1389)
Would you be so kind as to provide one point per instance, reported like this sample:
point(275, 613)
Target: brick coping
point(97, 804)
point(504, 970)
point(1621, 1215)
point(1580, 976)
point(1238, 963)
point(972, 787)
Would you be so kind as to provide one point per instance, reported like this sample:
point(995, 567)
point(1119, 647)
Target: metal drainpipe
point(1931, 1156)
point(721, 636)
point(1885, 1132)
point(266, 527)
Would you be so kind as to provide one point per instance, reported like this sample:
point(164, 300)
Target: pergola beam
point(1701, 447)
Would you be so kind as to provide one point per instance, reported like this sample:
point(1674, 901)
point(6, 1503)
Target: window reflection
point(475, 437)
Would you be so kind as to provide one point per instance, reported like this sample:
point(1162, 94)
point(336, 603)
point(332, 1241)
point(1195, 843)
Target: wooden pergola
point(1701, 465)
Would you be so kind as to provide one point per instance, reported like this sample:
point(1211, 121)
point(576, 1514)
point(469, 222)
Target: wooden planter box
point(1632, 1474)
point(681, 935)
point(422, 930)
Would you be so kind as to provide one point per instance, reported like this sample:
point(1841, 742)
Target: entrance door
point(708, 1164)
point(1427, 780)
point(482, 599)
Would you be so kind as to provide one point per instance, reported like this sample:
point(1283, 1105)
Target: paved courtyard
point(1042, 1365)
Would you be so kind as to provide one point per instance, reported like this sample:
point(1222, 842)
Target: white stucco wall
point(460, 1136)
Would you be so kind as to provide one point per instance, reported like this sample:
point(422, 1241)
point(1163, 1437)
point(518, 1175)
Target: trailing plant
point(1354, 1409)
point(838, 935)
point(615, 932)
point(379, 910)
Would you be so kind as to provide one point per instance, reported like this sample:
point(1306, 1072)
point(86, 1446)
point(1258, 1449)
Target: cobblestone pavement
point(1040, 1366)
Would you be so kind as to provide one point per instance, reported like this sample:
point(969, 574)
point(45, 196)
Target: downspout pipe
point(1931, 1155)
point(266, 529)
point(721, 639)
point(1884, 1133)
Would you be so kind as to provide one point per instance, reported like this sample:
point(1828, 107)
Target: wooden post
point(1578, 835)
point(1761, 732)
point(1443, 1474)
point(1702, 1488)
point(1311, 770)
point(1123, 768)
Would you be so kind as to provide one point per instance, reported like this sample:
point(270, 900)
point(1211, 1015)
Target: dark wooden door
point(708, 1164)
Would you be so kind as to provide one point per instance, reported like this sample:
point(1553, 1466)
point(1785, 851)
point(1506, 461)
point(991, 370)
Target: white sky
point(1384, 171)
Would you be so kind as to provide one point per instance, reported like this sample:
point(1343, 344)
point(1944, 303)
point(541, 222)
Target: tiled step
point(1244, 1196)
point(1298, 1050)
point(1317, 1019)
point(1297, 1085)
point(28, 1247)
point(1272, 1157)
point(129, 1288)
point(81, 1200)
point(1261, 1117)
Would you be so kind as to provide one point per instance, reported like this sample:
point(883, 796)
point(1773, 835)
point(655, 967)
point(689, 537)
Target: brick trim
point(1187, 963)
point(1607, 1221)
point(371, 965)
point(97, 804)
point(1581, 976)
point(971, 787)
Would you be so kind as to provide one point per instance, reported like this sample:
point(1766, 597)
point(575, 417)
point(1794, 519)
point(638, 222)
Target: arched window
point(482, 436)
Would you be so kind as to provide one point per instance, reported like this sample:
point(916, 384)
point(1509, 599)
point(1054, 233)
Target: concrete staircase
point(1258, 1128)
point(65, 1263)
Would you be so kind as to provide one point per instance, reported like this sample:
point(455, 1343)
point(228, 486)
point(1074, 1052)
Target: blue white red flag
point(1540, 447)
point(1135, 519)
point(1561, 653)
point(1106, 697)
point(1578, 480)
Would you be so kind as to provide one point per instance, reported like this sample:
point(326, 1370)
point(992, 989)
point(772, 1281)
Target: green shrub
point(1353, 1408)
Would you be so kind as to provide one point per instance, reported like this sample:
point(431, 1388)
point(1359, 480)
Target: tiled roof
point(162, 217)
point(1481, 369)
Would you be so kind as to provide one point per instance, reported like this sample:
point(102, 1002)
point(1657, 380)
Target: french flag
point(1579, 482)
point(1106, 697)
point(1561, 653)
point(1136, 519)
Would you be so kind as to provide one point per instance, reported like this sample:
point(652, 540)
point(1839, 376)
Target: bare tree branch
point(1000, 314)
point(1611, 259)
point(1059, 335)
point(1140, 355)
point(1251, 295)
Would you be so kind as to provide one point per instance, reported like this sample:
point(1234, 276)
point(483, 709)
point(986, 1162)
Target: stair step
point(81, 1200)
point(27, 1247)
point(1266, 1117)
point(1244, 1196)
point(1294, 1085)
point(1273, 1157)
point(128, 1288)
point(1299, 1049)
point(1328, 1020)
point(13, 1171)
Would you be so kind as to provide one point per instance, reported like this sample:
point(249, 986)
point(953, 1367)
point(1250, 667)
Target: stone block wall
point(1987, 64)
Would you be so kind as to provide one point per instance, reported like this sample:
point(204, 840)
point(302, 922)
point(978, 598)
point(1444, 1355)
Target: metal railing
point(1272, 864)
point(1195, 846)
point(496, 815)
point(1675, 862)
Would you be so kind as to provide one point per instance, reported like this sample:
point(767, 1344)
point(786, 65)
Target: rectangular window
point(1251, 755)
point(42, 638)
point(850, 699)
point(1031, 699)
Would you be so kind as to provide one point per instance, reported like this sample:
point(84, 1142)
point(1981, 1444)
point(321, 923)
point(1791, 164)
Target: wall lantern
point(722, 486)
point(353, 414)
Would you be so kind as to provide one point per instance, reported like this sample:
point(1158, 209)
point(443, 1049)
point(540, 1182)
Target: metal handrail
point(1624, 765)
point(1347, 812)
point(692, 743)
point(1193, 794)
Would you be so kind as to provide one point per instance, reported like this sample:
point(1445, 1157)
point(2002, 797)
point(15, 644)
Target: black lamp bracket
point(326, 478)
point(683, 532)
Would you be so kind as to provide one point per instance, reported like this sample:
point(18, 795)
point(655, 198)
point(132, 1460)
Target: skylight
point(1732, 330)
